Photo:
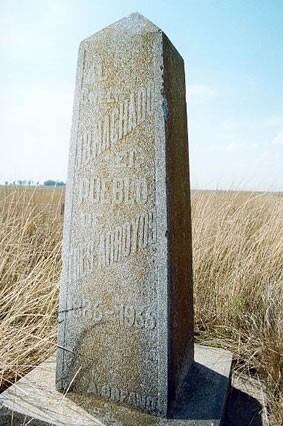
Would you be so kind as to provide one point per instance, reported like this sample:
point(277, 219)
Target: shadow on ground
point(242, 409)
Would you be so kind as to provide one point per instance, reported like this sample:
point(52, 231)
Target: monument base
point(34, 399)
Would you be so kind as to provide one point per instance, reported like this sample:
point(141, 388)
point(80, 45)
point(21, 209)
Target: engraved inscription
point(126, 159)
point(87, 220)
point(94, 74)
point(113, 393)
point(93, 96)
point(115, 126)
point(130, 316)
point(83, 260)
point(126, 239)
point(113, 246)
point(113, 191)
point(115, 262)
point(127, 316)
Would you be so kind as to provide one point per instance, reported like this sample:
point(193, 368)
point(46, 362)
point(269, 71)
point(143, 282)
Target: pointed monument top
point(134, 23)
point(138, 23)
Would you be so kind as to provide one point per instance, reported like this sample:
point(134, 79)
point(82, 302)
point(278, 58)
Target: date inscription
point(125, 315)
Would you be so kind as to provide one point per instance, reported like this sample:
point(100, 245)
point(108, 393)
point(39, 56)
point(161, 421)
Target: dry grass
point(238, 275)
point(30, 243)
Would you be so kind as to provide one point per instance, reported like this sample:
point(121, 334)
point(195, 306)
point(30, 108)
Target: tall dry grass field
point(238, 283)
point(30, 244)
point(238, 279)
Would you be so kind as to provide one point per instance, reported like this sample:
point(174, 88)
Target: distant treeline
point(48, 182)
point(53, 183)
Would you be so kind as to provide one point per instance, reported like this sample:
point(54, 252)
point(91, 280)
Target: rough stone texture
point(35, 399)
point(126, 310)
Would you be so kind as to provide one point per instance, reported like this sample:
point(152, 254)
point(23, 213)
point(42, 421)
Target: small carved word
point(113, 191)
point(113, 393)
point(125, 159)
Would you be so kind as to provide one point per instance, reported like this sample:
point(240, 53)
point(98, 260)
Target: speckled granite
point(126, 301)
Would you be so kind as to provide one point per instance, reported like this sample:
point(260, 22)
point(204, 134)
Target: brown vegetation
point(238, 278)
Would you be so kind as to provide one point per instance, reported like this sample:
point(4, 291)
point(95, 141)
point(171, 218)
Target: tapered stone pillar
point(126, 298)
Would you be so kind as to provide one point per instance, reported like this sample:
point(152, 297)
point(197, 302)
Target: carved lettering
point(115, 126)
point(128, 239)
point(94, 73)
point(126, 159)
point(112, 246)
point(87, 220)
point(114, 134)
point(83, 260)
point(113, 191)
point(130, 316)
point(126, 316)
point(113, 393)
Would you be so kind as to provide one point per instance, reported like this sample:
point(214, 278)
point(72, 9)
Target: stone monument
point(126, 302)
point(125, 351)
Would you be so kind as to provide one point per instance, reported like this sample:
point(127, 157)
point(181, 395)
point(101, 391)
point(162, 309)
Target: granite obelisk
point(126, 296)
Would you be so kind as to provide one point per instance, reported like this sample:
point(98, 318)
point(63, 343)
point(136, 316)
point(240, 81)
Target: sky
point(234, 73)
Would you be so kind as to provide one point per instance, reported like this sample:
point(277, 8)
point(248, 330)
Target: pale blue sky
point(234, 63)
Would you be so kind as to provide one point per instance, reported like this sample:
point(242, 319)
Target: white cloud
point(278, 140)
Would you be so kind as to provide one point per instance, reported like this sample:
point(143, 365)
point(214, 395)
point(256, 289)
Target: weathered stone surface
point(126, 312)
point(34, 400)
